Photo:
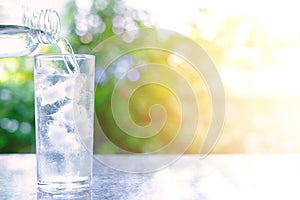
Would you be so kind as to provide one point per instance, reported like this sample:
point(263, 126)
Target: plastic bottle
point(22, 30)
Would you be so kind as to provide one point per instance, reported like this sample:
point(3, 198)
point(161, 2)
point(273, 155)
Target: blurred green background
point(255, 53)
point(87, 24)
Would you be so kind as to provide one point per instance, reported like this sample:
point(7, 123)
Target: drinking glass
point(64, 120)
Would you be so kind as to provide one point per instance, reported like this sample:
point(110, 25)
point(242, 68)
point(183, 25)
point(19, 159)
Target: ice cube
point(50, 109)
point(69, 127)
point(46, 70)
point(55, 133)
point(65, 113)
point(61, 135)
point(56, 79)
point(45, 78)
point(57, 89)
point(70, 89)
point(51, 95)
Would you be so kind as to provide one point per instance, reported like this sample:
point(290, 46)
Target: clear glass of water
point(64, 118)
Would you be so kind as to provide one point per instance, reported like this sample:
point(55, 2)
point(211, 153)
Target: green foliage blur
point(85, 27)
point(16, 103)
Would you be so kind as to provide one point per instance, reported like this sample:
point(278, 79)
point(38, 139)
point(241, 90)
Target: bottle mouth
point(47, 21)
point(44, 25)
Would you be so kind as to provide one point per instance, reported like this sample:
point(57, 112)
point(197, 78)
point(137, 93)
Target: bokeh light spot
point(133, 75)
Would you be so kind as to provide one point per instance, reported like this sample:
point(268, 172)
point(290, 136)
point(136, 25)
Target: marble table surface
point(166, 177)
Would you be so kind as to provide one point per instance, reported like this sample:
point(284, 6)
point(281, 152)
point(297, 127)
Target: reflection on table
point(187, 177)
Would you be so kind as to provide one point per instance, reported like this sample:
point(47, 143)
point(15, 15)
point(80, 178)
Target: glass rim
point(60, 56)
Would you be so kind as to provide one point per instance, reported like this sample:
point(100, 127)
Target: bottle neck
point(44, 25)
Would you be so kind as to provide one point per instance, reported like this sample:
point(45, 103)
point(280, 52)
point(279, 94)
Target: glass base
point(77, 195)
point(64, 187)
